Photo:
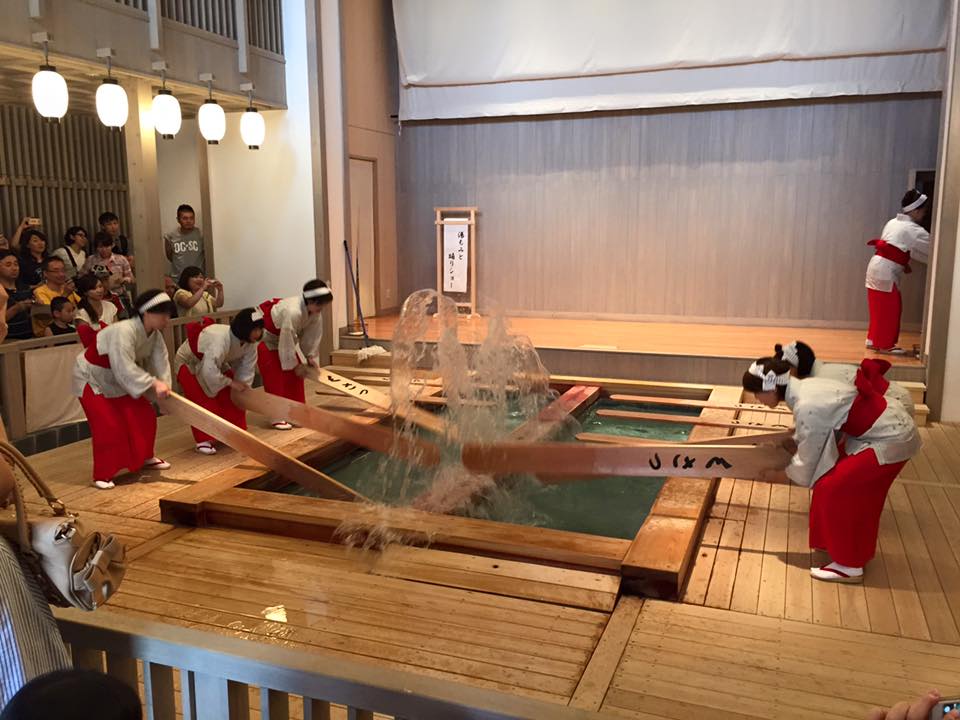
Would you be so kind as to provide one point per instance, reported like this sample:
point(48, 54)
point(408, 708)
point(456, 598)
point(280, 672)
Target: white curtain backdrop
point(479, 58)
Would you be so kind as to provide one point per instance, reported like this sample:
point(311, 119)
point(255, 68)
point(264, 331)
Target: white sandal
point(830, 573)
point(281, 425)
point(156, 463)
point(104, 484)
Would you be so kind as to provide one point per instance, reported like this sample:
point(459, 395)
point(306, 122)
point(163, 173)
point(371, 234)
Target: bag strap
point(16, 461)
point(23, 531)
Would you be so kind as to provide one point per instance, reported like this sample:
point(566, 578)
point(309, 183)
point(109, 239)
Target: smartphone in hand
point(943, 708)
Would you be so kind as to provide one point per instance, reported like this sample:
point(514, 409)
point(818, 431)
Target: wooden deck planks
point(331, 599)
point(753, 556)
point(687, 661)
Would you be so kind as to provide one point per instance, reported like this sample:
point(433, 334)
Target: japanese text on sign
point(456, 244)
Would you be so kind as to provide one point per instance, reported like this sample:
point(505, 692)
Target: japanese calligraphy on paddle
point(563, 462)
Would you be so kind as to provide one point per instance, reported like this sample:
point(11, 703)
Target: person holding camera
point(197, 295)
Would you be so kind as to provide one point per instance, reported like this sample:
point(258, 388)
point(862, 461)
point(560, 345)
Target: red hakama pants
point(122, 432)
point(220, 404)
point(846, 506)
point(884, 318)
point(276, 380)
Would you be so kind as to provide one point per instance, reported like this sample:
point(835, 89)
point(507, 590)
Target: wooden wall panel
point(736, 212)
point(65, 174)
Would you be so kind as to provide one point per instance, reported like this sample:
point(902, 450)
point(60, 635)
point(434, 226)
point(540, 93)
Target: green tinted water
point(612, 506)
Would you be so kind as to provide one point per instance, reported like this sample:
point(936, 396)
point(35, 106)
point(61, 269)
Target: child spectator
point(194, 295)
point(112, 268)
point(55, 285)
point(19, 298)
point(184, 245)
point(63, 313)
point(110, 224)
point(94, 309)
point(33, 251)
point(74, 250)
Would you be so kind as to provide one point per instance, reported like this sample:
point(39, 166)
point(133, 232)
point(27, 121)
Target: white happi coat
point(901, 232)
point(820, 407)
point(222, 351)
point(847, 373)
point(300, 333)
point(136, 360)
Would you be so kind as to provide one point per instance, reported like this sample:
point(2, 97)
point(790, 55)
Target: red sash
point(88, 338)
point(266, 308)
point(892, 253)
point(870, 403)
point(193, 335)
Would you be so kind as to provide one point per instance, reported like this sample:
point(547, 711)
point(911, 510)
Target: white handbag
point(73, 567)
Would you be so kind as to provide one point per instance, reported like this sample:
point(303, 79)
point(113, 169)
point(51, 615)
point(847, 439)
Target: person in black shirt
point(19, 298)
point(110, 224)
point(63, 311)
point(33, 251)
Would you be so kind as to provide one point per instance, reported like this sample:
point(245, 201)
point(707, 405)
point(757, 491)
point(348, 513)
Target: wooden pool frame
point(654, 563)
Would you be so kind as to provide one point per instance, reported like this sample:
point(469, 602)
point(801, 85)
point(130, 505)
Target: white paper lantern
point(213, 122)
point(50, 95)
point(112, 105)
point(166, 114)
point(252, 128)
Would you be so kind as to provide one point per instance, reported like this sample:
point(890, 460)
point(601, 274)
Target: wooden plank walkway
point(471, 620)
point(753, 557)
point(684, 661)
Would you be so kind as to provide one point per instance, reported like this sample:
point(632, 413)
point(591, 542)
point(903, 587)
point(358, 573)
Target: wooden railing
point(216, 674)
point(12, 375)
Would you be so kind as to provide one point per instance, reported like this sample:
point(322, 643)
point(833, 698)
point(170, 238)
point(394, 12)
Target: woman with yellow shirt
point(197, 295)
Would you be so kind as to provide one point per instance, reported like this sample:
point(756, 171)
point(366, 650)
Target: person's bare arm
point(15, 240)
point(217, 294)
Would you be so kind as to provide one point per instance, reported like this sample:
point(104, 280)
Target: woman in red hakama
point(122, 364)
point(293, 328)
point(213, 361)
point(851, 442)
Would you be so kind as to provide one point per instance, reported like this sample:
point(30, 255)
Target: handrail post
point(11, 391)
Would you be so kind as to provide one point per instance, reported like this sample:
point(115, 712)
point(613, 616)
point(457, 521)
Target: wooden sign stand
point(459, 216)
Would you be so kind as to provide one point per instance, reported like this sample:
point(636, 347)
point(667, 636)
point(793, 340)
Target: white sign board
point(456, 244)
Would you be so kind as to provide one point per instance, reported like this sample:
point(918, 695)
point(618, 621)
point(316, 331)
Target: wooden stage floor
point(664, 351)
point(665, 338)
point(753, 637)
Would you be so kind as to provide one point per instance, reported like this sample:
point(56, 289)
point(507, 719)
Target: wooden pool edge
point(655, 563)
point(661, 555)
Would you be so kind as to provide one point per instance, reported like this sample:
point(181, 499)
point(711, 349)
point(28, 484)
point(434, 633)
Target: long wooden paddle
point(686, 420)
point(242, 441)
point(369, 436)
point(559, 462)
point(705, 404)
point(373, 397)
point(759, 438)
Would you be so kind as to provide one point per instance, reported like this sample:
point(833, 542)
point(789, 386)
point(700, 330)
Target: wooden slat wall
point(733, 212)
point(264, 19)
point(264, 25)
point(135, 4)
point(214, 16)
point(65, 174)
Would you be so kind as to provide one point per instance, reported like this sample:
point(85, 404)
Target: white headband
point(257, 314)
point(790, 355)
point(770, 379)
point(159, 299)
point(915, 204)
point(316, 293)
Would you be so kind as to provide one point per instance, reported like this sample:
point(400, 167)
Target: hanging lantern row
point(51, 98)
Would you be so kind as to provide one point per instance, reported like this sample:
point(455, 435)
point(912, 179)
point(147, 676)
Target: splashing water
point(491, 390)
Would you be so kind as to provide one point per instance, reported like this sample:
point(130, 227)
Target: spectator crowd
point(50, 291)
